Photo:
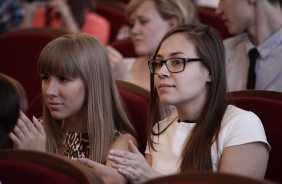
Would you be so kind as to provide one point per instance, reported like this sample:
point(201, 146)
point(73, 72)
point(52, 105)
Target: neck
point(268, 20)
point(75, 125)
point(191, 110)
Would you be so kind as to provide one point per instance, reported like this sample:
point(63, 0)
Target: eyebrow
point(172, 54)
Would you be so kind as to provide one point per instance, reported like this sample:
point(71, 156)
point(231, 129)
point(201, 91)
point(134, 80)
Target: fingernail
point(111, 157)
point(111, 151)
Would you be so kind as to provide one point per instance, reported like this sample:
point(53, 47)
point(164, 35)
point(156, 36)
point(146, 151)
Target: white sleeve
point(245, 128)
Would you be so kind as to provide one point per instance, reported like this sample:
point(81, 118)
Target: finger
point(122, 160)
point(23, 129)
point(29, 125)
point(132, 147)
point(122, 154)
point(38, 125)
point(19, 132)
point(130, 176)
point(15, 139)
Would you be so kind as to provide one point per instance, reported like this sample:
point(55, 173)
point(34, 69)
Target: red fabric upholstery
point(25, 173)
point(125, 47)
point(115, 16)
point(138, 112)
point(35, 107)
point(270, 113)
point(209, 17)
point(18, 58)
point(207, 178)
point(26, 166)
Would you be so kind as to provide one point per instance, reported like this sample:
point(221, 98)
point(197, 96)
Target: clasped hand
point(131, 165)
point(28, 135)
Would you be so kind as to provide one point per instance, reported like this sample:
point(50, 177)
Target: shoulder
point(235, 115)
point(96, 18)
point(241, 127)
point(121, 142)
point(235, 41)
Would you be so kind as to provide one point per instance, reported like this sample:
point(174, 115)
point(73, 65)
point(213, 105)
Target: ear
point(209, 79)
point(173, 22)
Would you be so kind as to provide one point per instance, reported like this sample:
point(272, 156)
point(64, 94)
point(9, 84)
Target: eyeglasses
point(173, 65)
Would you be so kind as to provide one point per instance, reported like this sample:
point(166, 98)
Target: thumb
point(132, 147)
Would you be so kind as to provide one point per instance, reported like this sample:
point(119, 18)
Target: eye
point(44, 77)
point(143, 21)
point(64, 79)
point(176, 62)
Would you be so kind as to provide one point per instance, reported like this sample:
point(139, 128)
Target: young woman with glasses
point(204, 134)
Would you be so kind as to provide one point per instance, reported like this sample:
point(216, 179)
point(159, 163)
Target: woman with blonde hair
point(83, 115)
point(149, 21)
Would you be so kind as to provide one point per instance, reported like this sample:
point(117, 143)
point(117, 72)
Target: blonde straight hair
point(83, 55)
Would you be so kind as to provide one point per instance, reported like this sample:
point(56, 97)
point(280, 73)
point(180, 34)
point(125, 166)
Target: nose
point(218, 10)
point(50, 88)
point(136, 28)
point(163, 72)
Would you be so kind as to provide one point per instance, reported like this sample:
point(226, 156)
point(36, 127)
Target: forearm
point(68, 22)
point(29, 13)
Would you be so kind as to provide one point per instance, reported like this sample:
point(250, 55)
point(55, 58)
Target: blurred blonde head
point(183, 10)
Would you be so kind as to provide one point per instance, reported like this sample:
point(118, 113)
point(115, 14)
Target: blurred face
point(188, 87)
point(148, 27)
point(64, 96)
point(237, 15)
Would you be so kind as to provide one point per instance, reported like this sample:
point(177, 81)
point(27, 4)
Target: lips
point(54, 105)
point(163, 86)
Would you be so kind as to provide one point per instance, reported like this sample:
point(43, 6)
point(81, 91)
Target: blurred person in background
point(11, 15)
point(253, 55)
point(72, 15)
point(149, 21)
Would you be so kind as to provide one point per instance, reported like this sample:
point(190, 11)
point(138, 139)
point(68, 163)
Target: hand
point(124, 32)
point(119, 68)
point(103, 171)
point(132, 165)
point(28, 135)
point(59, 6)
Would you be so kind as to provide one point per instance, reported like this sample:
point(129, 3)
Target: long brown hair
point(83, 55)
point(196, 152)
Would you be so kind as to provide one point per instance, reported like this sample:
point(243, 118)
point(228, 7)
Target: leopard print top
point(77, 144)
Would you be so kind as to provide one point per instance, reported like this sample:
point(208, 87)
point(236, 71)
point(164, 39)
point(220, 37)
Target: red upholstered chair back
point(209, 17)
point(35, 107)
point(19, 54)
point(207, 178)
point(25, 167)
point(125, 47)
point(270, 113)
point(114, 13)
point(136, 101)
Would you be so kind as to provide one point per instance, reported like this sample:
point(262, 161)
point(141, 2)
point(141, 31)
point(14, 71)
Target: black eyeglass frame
point(185, 60)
